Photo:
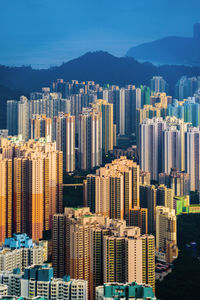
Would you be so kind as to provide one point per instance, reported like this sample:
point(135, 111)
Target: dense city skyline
point(94, 180)
point(99, 156)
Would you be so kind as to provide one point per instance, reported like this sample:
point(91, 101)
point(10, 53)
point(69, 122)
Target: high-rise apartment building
point(186, 87)
point(162, 145)
point(41, 126)
point(158, 85)
point(23, 118)
point(125, 103)
point(64, 134)
point(98, 249)
point(166, 234)
point(192, 157)
point(31, 186)
point(6, 199)
point(148, 111)
point(165, 196)
point(59, 259)
point(113, 96)
point(139, 217)
point(106, 110)
point(148, 197)
point(151, 146)
point(12, 117)
point(178, 181)
point(145, 178)
point(171, 149)
point(49, 104)
point(90, 139)
point(160, 99)
point(80, 101)
point(114, 190)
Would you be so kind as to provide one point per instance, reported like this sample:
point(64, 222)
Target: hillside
point(169, 50)
point(100, 66)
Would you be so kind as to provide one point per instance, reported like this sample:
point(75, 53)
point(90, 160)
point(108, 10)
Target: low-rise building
point(125, 291)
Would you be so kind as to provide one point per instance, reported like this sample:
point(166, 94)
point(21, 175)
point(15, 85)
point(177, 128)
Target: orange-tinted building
point(36, 185)
point(5, 199)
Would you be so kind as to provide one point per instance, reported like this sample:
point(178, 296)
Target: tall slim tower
point(32, 178)
point(64, 129)
point(165, 196)
point(59, 245)
point(5, 199)
point(148, 252)
point(158, 85)
point(148, 195)
point(12, 117)
point(114, 190)
point(151, 146)
point(21, 194)
point(166, 232)
point(171, 149)
point(192, 157)
point(23, 117)
point(106, 110)
point(90, 139)
point(41, 126)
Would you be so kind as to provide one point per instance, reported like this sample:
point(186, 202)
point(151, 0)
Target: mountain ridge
point(169, 50)
point(99, 66)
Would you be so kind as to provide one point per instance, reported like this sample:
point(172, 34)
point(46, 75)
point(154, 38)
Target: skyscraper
point(151, 146)
point(192, 157)
point(12, 117)
point(165, 196)
point(106, 110)
point(171, 149)
point(5, 199)
point(166, 231)
point(148, 111)
point(23, 118)
point(64, 134)
point(158, 85)
point(114, 190)
point(148, 197)
point(35, 193)
point(41, 126)
point(178, 181)
point(90, 139)
point(99, 249)
point(139, 217)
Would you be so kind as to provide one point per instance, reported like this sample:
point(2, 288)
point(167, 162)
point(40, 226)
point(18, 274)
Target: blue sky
point(47, 32)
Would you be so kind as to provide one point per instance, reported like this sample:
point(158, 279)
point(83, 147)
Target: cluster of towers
point(168, 144)
point(130, 206)
point(30, 186)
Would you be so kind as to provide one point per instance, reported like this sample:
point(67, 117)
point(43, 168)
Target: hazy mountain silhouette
point(170, 50)
point(100, 66)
